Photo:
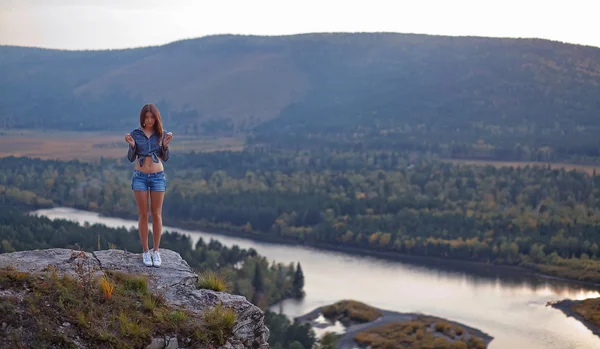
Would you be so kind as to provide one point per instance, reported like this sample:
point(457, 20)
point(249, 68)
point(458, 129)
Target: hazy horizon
point(88, 25)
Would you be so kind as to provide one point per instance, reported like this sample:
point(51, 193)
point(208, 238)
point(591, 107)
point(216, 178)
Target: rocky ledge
point(174, 280)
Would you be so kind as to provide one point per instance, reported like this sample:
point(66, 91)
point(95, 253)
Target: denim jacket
point(145, 146)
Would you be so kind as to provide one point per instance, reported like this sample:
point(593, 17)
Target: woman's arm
point(131, 155)
point(165, 153)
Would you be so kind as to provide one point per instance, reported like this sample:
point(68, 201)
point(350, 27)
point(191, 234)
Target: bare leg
point(142, 202)
point(157, 198)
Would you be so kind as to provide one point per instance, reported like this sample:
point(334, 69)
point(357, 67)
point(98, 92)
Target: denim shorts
point(149, 181)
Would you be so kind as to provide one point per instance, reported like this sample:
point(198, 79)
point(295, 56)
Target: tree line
point(394, 202)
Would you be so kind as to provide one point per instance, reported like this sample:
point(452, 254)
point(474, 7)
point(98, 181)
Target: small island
point(366, 326)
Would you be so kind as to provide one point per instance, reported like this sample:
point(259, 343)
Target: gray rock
point(65, 261)
point(172, 343)
point(174, 279)
point(163, 343)
point(157, 343)
point(174, 270)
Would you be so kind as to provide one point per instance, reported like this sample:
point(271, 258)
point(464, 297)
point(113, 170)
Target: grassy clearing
point(422, 332)
point(589, 169)
point(115, 310)
point(349, 311)
point(90, 146)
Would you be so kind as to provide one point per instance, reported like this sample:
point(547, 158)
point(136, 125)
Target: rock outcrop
point(175, 280)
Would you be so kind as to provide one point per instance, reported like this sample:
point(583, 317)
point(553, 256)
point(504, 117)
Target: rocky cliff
point(174, 282)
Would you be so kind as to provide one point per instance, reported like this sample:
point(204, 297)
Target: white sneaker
point(147, 258)
point(156, 258)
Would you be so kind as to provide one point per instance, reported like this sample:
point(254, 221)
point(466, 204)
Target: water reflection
point(478, 274)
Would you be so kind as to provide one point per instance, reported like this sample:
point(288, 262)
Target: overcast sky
point(104, 24)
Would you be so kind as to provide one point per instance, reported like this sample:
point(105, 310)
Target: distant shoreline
point(346, 341)
point(455, 264)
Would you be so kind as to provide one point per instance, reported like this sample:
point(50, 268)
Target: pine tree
point(236, 287)
point(298, 283)
point(258, 282)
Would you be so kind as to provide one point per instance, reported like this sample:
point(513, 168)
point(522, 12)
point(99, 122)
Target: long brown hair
point(158, 126)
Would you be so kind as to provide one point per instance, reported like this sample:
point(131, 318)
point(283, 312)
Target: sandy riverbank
point(566, 307)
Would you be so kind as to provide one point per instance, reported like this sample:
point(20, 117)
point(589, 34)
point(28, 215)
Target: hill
point(206, 83)
point(518, 99)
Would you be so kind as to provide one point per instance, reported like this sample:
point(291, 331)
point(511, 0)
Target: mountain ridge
point(442, 90)
point(300, 34)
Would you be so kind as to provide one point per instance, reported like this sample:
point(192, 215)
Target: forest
point(380, 201)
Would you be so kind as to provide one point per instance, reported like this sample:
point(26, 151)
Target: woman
point(150, 144)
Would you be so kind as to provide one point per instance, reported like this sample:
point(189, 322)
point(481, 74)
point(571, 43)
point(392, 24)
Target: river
point(508, 306)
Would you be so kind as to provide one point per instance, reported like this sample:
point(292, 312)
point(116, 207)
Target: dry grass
point(128, 318)
point(422, 332)
point(587, 270)
point(569, 167)
point(349, 311)
point(90, 146)
point(589, 309)
point(107, 287)
point(220, 321)
point(213, 281)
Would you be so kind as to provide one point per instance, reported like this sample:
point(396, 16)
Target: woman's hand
point(168, 139)
point(129, 139)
